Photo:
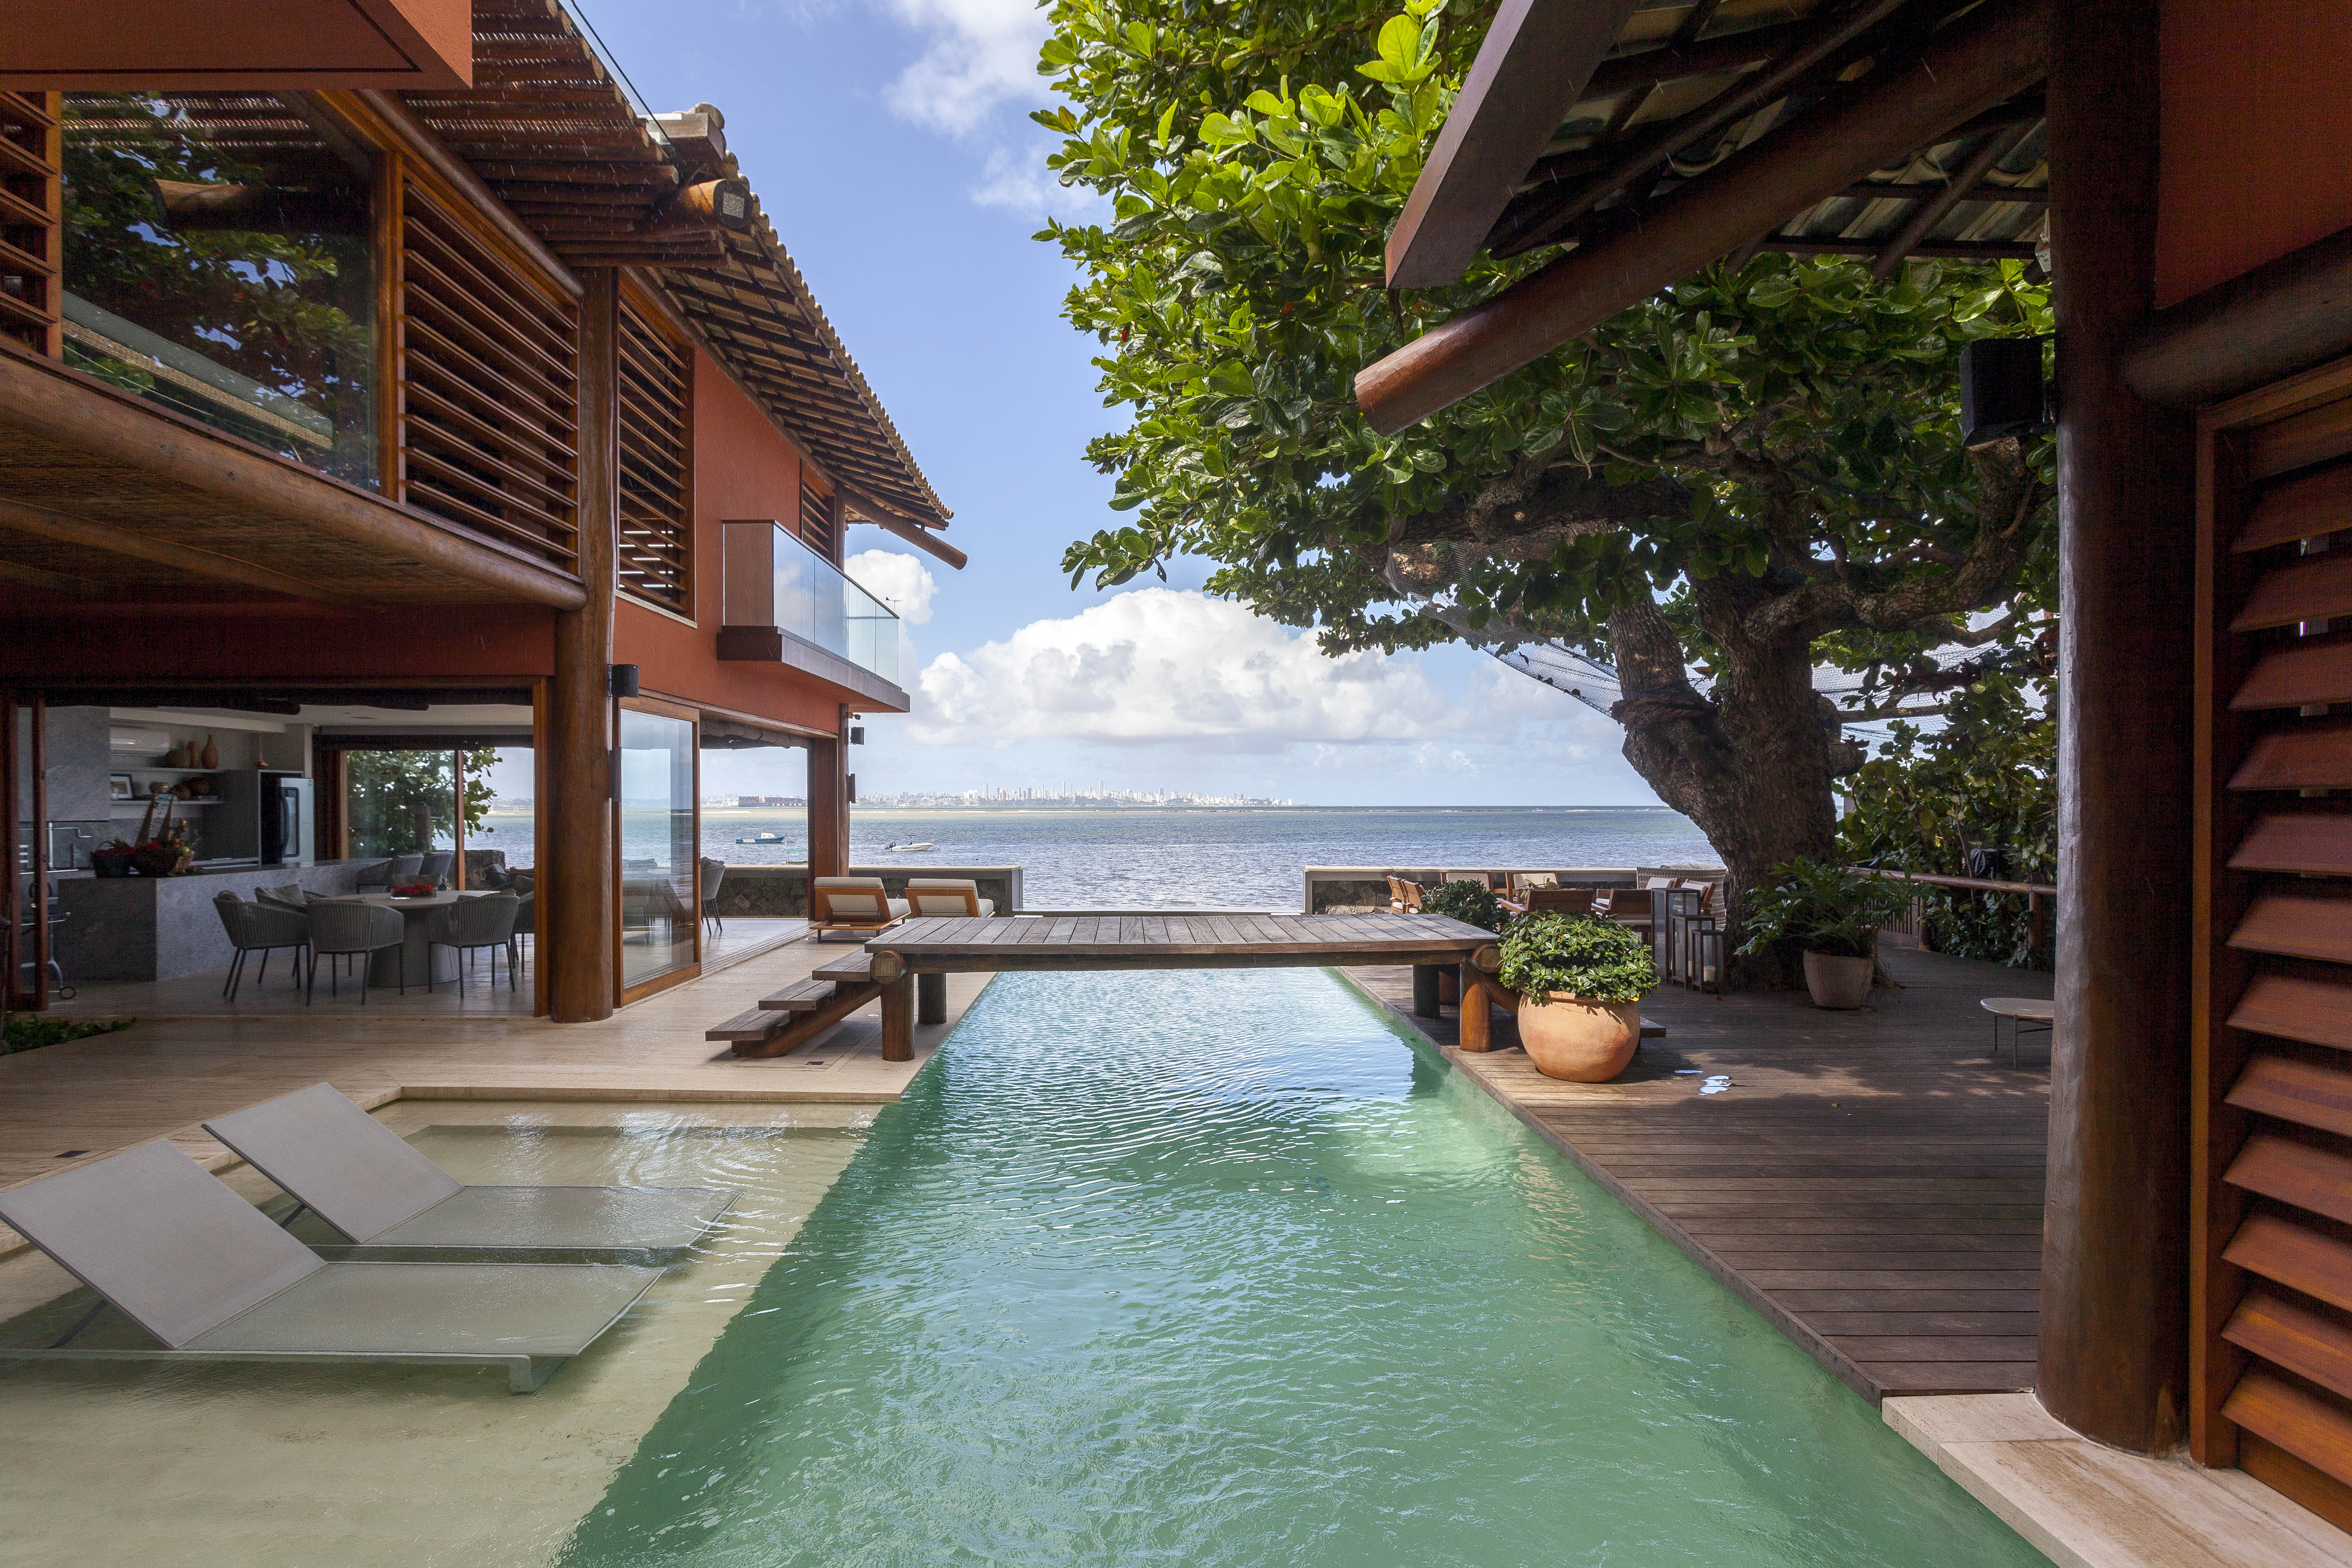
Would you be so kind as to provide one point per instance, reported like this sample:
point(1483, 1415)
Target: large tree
point(1755, 473)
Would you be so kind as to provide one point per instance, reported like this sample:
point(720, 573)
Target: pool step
point(801, 996)
point(750, 1028)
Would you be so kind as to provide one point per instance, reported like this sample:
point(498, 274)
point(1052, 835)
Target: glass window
point(219, 260)
point(399, 803)
point(659, 908)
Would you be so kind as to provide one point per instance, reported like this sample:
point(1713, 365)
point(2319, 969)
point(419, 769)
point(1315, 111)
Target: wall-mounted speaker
point(2001, 390)
point(625, 680)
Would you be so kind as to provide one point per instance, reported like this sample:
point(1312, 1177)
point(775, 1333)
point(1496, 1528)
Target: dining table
point(423, 963)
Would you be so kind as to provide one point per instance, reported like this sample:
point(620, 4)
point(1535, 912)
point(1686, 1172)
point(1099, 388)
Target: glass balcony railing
point(774, 580)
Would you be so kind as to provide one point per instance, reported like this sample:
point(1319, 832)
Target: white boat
point(887, 848)
point(768, 838)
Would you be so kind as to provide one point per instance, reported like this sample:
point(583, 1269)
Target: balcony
point(785, 603)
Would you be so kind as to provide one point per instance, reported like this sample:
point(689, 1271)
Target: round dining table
point(424, 963)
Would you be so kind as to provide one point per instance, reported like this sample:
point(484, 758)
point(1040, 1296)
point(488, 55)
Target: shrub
point(31, 1031)
point(1472, 903)
point(1598, 960)
point(1824, 908)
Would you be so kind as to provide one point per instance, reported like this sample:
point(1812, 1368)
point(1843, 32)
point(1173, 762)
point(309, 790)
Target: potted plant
point(1580, 984)
point(1472, 903)
point(1833, 914)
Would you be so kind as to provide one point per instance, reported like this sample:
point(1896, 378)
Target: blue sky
point(889, 144)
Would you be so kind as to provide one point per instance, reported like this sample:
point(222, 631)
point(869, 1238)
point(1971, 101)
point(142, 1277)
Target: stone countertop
point(162, 928)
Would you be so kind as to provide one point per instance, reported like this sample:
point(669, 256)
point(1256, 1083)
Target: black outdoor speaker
point(853, 789)
point(2001, 389)
point(625, 680)
point(857, 734)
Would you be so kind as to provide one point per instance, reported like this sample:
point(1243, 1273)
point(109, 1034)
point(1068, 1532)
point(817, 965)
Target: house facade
point(468, 405)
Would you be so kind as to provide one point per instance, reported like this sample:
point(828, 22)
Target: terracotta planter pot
point(1581, 1041)
point(1840, 984)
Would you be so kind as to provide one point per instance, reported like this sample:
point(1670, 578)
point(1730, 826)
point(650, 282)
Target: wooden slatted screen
point(2271, 1347)
point(656, 558)
point(820, 523)
point(31, 229)
point(489, 387)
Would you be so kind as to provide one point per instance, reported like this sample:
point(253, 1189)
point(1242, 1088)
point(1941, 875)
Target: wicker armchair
point(263, 929)
point(336, 927)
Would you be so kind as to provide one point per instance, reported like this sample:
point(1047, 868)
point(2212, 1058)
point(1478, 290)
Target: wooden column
point(930, 998)
point(828, 806)
point(899, 1019)
point(1477, 1026)
point(2114, 1282)
point(576, 868)
point(1425, 989)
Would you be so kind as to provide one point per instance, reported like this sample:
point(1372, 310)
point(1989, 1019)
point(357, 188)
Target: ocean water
point(1241, 857)
point(1213, 1270)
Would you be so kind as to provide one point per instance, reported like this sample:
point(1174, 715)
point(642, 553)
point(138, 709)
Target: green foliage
point(1824, 908)
point(1987, 780)
point(1597, 959)
point(1257, 155)
point(31, 1031)
point(1472, 903)
point(400, 802)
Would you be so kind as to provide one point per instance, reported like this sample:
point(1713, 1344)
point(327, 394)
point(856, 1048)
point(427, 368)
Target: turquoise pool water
point(1219, 1269)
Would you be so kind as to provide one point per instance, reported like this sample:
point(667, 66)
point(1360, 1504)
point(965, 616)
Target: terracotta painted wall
point(744, 469)
point(2257, 135)
point(292, 642)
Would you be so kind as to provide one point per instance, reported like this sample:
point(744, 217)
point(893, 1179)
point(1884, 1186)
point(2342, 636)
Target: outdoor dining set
point(413, 919)
point(1684, 916)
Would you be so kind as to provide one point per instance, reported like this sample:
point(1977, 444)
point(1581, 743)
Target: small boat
point(894, 845)
point(768, 838)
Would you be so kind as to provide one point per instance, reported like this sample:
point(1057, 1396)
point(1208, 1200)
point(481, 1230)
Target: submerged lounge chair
point(364, 1179)
point(208, 1276)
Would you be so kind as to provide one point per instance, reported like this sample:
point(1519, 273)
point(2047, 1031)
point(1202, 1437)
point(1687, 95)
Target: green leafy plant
point(1472, 903)
point(1824, 908)
point(401, 801)
point(1750, 474)
point(31, 1031)
point(1596, 959)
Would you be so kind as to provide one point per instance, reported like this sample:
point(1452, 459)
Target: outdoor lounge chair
point(207, 1275)
point(948, 896)
point(856, 904)
point(390, 1202)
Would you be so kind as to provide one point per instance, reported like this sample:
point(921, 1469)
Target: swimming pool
point(1221, 1269)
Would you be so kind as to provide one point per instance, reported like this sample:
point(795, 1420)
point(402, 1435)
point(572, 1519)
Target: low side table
point(2024, 1013)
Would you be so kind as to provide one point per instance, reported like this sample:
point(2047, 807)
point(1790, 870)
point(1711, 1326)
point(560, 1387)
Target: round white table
point(2023, 1013)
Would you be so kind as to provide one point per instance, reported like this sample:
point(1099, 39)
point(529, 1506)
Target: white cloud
point(1157, 665)
point(1026, 185)
point(902, 581)
point(980, 53)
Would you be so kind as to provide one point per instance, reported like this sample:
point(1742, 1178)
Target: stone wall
point(1361, 889)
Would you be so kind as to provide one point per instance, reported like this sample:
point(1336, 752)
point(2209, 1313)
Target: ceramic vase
point(1579, 1040)
point(1841, 984)
point(211, 756)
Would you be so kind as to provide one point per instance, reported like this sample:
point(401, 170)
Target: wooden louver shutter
point(656, 561)
point(31, 221)
point(489, 387)
point(820, 529)
point(2271, 1347)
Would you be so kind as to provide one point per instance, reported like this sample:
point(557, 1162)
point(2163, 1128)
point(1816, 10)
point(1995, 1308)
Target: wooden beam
point(1530, 70)
point(912, 531)
point(424, 146)
point(828, 805)
point(1678, 61)
point(75, 413)
point(2114, 1358)
point(2284, 317)
point(1932, 211)
point(1996, 51)
point(577, 871)
point(49, 581)
point(68, 528)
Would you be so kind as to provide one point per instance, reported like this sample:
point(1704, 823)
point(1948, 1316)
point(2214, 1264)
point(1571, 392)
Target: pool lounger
point(394, 1204)
point(207, 1274)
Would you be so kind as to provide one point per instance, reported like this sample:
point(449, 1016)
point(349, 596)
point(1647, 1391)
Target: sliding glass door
point(660, 903)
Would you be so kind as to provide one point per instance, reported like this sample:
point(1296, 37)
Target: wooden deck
point(1872, 1182)
point(1175, 940)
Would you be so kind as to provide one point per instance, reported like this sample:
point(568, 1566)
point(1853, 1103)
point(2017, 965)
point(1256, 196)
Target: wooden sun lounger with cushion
point(208, 1277)
point(948, 896)
point(393, 1202)
point(856, 904)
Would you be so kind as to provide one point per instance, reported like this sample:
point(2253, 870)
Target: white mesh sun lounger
point(393, 1202)
point(207, 1275)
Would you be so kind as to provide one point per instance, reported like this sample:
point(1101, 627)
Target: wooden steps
point(754, 1024)
point(801, 996)
point(857, 967)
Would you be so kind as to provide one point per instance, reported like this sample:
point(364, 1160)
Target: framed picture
point(117, 787)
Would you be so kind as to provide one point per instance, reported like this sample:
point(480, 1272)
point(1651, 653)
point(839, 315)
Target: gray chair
point(375, 877)
point(714, 873)
point(473, 923)
point(336, 927)
point(289, 895)
point(526, 925)
point(263, 929)
point(435, 867)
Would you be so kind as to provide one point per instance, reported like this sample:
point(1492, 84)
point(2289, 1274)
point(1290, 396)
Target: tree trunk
point(1751, 762)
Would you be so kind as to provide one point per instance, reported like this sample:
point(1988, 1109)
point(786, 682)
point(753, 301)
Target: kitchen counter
point(160, 928)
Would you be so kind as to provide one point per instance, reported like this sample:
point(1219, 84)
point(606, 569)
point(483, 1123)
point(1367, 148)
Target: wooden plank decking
point(1871, 1183)
point(1176, 939)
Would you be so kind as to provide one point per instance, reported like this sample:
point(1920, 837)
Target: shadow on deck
point(1872, 1182)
